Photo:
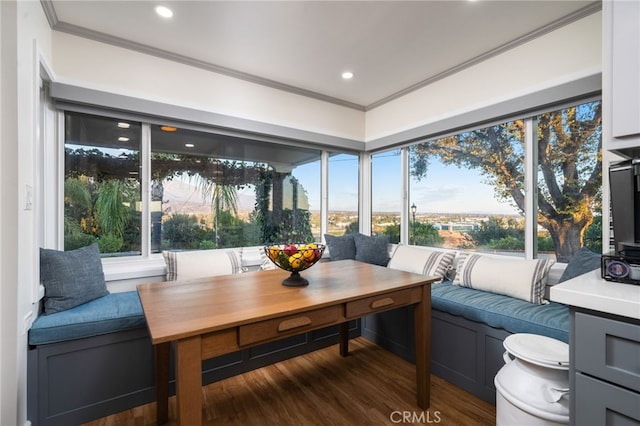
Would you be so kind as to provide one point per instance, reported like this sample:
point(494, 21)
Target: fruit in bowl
point(295, 258)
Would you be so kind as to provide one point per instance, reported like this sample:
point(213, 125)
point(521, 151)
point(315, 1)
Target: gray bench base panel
point(467, 353)
point(78, 381)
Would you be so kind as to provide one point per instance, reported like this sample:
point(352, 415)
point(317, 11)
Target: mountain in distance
point(183, 197)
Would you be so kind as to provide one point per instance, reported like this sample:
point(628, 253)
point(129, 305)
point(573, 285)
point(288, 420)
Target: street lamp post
point(413, 212)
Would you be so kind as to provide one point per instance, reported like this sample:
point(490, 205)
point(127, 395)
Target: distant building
point(457, 226)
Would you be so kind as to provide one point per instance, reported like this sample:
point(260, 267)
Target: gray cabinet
point(605, 369)
point(625, 120)
point(620, 82)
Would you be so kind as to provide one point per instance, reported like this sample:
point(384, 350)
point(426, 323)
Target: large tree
point(569, 167)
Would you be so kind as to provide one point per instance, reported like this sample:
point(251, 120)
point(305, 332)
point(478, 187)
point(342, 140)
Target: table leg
point(161, 359)
point(422, 319)
point(189, 381)
point(344, 339)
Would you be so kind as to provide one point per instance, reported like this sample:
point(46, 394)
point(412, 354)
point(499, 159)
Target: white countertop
point(590, 291)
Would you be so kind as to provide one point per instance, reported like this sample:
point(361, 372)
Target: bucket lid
point(539, 350)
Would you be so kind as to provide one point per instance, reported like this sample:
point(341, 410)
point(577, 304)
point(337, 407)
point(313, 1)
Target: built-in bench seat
point(108, 314)
point(503, 312)
point(468, 329)
point(469, 325)
point(96, 359)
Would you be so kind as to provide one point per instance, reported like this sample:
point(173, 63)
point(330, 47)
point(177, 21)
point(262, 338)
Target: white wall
point(8, 219)
point(108, 68)
point(567, 54)
point(24, 27)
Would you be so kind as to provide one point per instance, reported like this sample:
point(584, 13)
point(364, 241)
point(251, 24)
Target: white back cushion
point(422, 260)
point(187, 265)
point(510, 276)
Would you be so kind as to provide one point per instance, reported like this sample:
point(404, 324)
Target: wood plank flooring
point(369, 387)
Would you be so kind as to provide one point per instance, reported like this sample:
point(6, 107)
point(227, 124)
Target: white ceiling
point(303, 46)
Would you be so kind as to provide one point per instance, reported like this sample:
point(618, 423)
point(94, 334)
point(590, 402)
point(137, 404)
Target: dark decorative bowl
point(295, 258)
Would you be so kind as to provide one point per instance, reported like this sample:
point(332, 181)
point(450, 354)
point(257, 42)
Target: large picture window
point(102, 184)
point(343, 194)
point(215, 191)
point(139, 188)
point(461, 186)
point(570, 180)
point(206, 190)
point(386, 194)
point(467, 191)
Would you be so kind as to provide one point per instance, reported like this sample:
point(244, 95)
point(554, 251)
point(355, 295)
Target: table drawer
point(608, 349)
point(383, 302)
point(288, 325)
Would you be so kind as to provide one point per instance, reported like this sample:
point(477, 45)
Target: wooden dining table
point(203, 318)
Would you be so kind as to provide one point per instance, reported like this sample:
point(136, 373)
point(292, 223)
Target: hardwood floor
point(369, 387)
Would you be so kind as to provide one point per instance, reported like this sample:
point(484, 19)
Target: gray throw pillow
point(372, 249)
point(71, 278)
point(341, 248)
point(583, 261)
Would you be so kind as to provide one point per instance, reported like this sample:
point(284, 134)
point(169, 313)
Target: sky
point(446, 189)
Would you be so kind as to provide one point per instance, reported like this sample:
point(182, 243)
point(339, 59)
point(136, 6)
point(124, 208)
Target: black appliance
point(624, 183)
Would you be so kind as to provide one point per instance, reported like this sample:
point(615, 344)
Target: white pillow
point(519, 278)
point(265, 263)
point(422, 260)
point(188, 265)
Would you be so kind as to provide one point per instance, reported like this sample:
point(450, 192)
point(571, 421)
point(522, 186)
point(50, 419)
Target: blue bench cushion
point(107, 314)
point(498, 311)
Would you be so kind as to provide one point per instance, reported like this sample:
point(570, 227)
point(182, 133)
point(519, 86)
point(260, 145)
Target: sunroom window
point(102, 184)
point(386, 194)
point(216, 191)
point(467, 191)
point(205, 190)
point(570, 180)
point(343, 194)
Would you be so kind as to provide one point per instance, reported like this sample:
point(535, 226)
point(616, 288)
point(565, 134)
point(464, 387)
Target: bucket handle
point(507, 359)
point(555, 394)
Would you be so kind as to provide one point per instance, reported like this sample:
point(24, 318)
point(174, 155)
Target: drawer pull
point(293, 323)
point(380, 303)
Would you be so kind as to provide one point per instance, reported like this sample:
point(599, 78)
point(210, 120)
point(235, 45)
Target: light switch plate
point(28, 197)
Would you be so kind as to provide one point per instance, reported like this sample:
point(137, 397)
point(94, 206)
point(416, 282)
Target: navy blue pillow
point(341, 248)
point(71, 278)
point(372, 249)
point(583, 261)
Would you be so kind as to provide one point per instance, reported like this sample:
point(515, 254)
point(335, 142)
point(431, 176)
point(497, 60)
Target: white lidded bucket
point(533, 387)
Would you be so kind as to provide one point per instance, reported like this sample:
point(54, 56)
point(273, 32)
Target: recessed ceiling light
point(168, 128)
point(123, 139)
point(189, 145)
point(347, 75)
point(164, 11)
point(124, 125)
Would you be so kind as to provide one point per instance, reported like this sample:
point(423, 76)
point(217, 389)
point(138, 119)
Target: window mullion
point(60, 177)
point(145, 189)
point(530, 188)
point(365, 193)
point(404, 213)
point(324, 194)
